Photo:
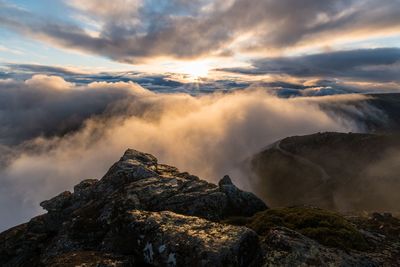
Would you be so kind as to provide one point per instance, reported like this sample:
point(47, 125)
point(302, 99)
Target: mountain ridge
point(341, 171)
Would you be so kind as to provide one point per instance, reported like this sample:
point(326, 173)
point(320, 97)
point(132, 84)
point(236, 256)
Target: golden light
point(195, 69)
point(192, 71)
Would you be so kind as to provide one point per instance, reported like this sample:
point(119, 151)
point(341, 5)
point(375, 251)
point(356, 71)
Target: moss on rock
point(326, 227)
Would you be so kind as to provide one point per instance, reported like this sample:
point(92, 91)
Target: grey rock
point(240, 202)
point(58, 202)
point(169, 239)
point(84, 186)
point(175, 216)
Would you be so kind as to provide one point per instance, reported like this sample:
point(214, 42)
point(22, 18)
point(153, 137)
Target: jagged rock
point(84, 187)
point(57, 203)
point(137, 181)
point(240, 202)
point(136, 197)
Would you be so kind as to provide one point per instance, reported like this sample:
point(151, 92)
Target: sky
point(199, 42)
point(201, 84)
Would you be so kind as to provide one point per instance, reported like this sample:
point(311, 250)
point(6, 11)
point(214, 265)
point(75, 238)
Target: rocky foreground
point(142, 213)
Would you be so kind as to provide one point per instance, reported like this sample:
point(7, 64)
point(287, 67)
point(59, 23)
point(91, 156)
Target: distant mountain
point(346, 172)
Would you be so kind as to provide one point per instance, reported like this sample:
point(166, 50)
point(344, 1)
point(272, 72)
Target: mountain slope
point(348, 172)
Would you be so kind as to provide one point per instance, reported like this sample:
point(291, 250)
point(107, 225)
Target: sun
point(195, 69)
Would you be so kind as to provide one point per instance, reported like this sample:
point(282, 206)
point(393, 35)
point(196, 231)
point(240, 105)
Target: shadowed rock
point(140, 212)
point(239, 202)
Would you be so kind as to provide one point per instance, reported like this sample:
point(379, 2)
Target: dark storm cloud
point(378, 65)
point(187, 29)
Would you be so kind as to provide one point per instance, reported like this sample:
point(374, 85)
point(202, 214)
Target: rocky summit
point(142, 213)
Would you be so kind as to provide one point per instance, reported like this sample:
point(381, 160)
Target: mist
point(207, 135)
point(377, 187)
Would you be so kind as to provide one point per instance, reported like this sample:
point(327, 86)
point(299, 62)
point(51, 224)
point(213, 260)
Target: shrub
point(326, 227)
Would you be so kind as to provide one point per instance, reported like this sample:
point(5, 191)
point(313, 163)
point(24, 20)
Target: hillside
point(346, 172)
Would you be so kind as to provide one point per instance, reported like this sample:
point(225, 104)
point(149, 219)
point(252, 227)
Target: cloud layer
point(357, 71)
point(376, 65)
point(48, 106)
point(330, 73)
point(208, 135)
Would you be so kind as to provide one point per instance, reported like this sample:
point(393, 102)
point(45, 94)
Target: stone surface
point(140, 212)
point(168, 239)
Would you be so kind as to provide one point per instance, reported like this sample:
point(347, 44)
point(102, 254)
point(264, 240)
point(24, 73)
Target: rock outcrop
point(142, 213)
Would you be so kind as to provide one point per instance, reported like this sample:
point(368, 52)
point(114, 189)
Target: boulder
point(169, 239)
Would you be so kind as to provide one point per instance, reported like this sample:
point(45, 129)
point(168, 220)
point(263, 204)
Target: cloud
point(168, 82)
point(357, 71)
point(380, 65)
point(343, 72)
point(51, 82)
point(137, 30)
point(42, 69)
point(48, 105)
point(208, 135)
point(10, 50)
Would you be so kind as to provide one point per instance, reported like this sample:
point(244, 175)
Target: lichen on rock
point(140, 212)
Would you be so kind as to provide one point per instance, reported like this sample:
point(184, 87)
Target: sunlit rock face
point(140, 212)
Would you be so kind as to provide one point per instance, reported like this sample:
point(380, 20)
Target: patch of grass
point(326, 227)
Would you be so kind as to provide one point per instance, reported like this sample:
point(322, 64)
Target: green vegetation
point(326, 227)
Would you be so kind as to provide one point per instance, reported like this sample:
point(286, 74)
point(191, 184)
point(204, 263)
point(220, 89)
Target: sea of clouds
point(54, 133)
